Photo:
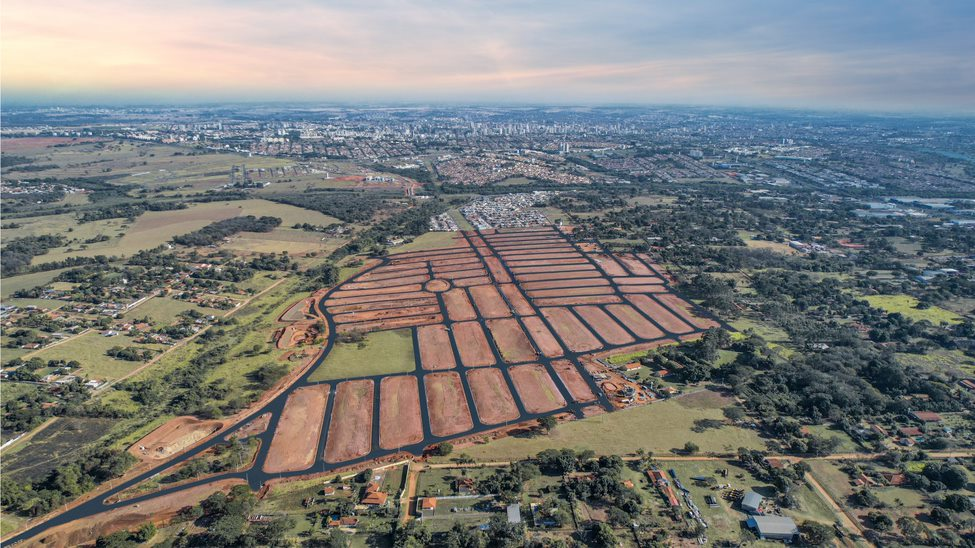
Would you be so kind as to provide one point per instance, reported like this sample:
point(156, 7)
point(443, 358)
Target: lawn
point(381, 353)
point(907, 306)
point(658, 427)
point(164, 310)
point(13, 284)
point(89, 349)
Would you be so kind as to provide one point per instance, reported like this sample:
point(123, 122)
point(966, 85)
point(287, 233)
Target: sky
point(897, 55)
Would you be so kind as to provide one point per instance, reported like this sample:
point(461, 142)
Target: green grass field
point(383, 353)
point(428, 240)
point(659, 427)
point(907, 306)
point(164, 311)
point(13, 284)
point(89, 349)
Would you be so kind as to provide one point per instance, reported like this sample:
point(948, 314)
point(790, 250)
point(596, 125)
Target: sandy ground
point(350, 430)
point(172, 437)
point(608, 265)
point(592, 299)
point(400, 422)
point(658, 313)
point(296, 437)
point(493, 401)
point(470, 282)
point(497, 270)
point(458, 305)
point(436, 351)
point(683, 310)
point(634, 265)
point(545, 341)
point(557, 284)
point(573, 380)
point(605, 326)
point(575, 335)
point(472, 344)
point(395, 323)
point(511, 340)
point(637, 280)
point(635, 321)
point(571, 292)
point(517, 301)
point(447, 404)
point(536, 388)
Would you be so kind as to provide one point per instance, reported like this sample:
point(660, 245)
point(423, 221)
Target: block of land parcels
point(295, 440)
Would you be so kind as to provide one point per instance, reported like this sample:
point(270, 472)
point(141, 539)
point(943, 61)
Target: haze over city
point(881, 55)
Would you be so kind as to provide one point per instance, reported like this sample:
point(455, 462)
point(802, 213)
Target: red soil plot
point(634, 265)
point(684, 310)
point(552, 249)
point(456, 274)
point(573, 380)
point(350, 430)
point(659, 314)
point(447, 404)
point(643, 289)
point(492, 399)
point(454, 261)
point(400, 422)
point(436, 352)
point(575, 335)
point(643, 327)
point(470, 282)
point(545, 276)
point(381, 284)
point(498, 271)
point(383, 274)
point(378, 305)
point(605, 326)
point(375, 315)
point(564, 301)
point(347, 294)
point(472, 344)
point(544, 262)
point(516, 300)
point(556, 268)
point(296, 437)
point(376, 298)
point(535, 387)
point(437, 286)
point(511, 341)
point(637, 280)
point(555, 284)
point(458, 305)
point(608, 265)
point(489, 302)
point(476, 241)
point(393, 323)
point(572, 291)
point(547, 344)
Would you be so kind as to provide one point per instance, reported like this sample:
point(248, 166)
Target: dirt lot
point(372, 315)
point(572, 332)
point(659, 314)
point(571, 292)
point(683, 309)
point(458, 305)
point(498, 271)
point(637, 280)
point(517, 301)
point(609, 265)
point(382, 273)
point(591, 274)
point(400, 422)
point(605, 326)
point(395, 323)
point(556, 284)
point(634, 265)
point(425, 301)
point(536, 388)
point(489, 302)
point(573, 381)
point(298, 311)
point(436, 352)
point(253, 428)
point(635, 321)
point(511, 340)
point(555, 268)
point(470, 282)
point(547, 344)
point(386, 298)
point(643, 289)
point(592, 299)
point(447, 404)
point(493, 400)
point(398, 288)
point(296, 437)
point(437, 286)
point(382, 284)
point(472, 344)
point(350, 430)
point(173, 437)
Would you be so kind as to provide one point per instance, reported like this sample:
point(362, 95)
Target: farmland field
point(383, 352)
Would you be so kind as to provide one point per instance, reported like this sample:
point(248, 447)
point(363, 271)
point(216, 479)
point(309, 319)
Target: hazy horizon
point(888, 56)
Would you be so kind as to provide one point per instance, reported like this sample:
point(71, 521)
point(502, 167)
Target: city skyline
point(894, 56)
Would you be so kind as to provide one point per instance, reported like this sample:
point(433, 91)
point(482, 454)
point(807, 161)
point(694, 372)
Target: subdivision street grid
point(504, 325)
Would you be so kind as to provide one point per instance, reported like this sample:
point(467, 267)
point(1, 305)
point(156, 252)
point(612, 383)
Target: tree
point(442, 449)
point(603, 535)
point(911, 528)
point(815, 533)
point(690, 448)
point(547, 423)
point(880, 521)
point(956, 502)
point(145, 532)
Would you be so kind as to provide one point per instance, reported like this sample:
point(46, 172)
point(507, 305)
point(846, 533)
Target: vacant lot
point(51, 447)
point(89, 349)
point(164, 310)
point(907, 306)
point(380, 353)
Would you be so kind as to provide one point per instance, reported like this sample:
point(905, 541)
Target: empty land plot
point(659, 314)
point(572, 332)
point(477, 241)
point(572, 291)
point(372, 315)
point(604, 325)
point(375, 298)
point(471, 282)
point(545, 262)
point(354, 293)
point(296, 437)
point(511, 341)
point(637, 280)
point(350, 430)
point(517, 301)
point(380, 353)
point(685, 311)
point(489, 302)
point(392, 323)
point(436, 352)
point(643, 289)
point(377, 274)
point(492, 399)
point(472, 344)
point(446, 264)
point(563, 301)
point(545, 276)
point(380, 305)
point(573, 380)
point(458, 305)
point(547, 344)
point(553, 252)
point(447, 404)
point(556, 284)
point(608, 265)
point(456, 274)
point(535, 387)
point(400, 422)
point(634, 265)
point(391, 282)
point(555, 268)
point(635, 321)
point(497, 270)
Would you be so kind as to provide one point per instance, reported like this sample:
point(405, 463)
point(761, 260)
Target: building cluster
point(660, 167)
point(443, 223)
point(507, 211)
point(492, 168)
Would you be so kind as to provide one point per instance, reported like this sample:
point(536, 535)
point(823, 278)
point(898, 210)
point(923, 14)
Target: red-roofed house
point(926, 416)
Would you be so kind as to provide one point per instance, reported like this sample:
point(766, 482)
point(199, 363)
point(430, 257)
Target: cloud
point(882, 54)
